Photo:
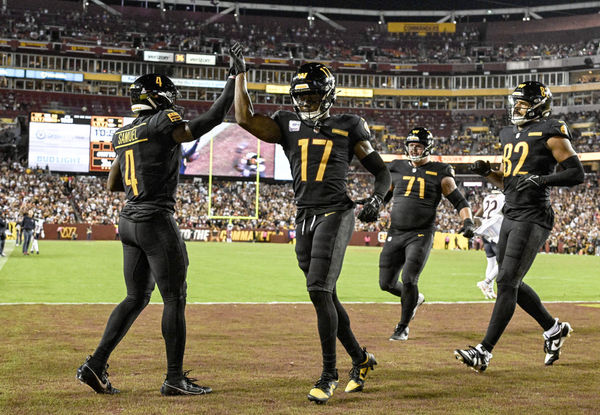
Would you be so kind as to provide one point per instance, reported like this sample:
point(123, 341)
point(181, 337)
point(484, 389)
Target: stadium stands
point(458, 132)
point(85, 200)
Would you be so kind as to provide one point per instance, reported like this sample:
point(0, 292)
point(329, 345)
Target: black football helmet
point(312, 80)
point(152, 92)
point(537, 95)
point(422, 136)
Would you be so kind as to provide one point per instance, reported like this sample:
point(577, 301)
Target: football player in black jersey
point(320, 147)
point(147, 169)
point(417, 188)
point(531, 150)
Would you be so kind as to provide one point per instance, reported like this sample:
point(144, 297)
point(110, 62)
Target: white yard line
point(9, 246)
point(308, 302)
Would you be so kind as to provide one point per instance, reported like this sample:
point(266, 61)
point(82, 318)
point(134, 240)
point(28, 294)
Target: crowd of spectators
point(271, 37)
point(83, 199)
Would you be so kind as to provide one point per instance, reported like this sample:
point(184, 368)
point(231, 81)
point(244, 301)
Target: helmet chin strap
point(154, 106)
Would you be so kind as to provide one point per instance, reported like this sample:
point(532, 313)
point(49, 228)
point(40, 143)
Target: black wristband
point(458, 200)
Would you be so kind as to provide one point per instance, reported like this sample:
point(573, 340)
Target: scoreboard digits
point(102, 153)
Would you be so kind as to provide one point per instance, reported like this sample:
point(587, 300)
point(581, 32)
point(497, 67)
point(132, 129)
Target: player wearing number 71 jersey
point(319, 148)
point(532, 148)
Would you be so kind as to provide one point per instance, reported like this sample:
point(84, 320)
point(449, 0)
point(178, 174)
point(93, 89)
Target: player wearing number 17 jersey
point(319, 148)
point(147, 169)
point(532, 148)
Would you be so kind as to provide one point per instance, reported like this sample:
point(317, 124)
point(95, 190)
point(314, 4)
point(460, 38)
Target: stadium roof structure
point(379, 10)
point(382, 10)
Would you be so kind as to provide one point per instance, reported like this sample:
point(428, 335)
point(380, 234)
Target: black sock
point(119, 322)
point(327, 322)
point(529, 301)
point(174, 333)
point(410, 296)
point(503, 312)
point(345, 333)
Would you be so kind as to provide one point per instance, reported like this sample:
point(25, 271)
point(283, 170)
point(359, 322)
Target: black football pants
point(518, 244)
point(320, 247)
point(407, 252)
point(153, 251)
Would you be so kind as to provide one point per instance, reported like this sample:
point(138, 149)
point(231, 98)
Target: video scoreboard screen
point(102, 130)
point(83, 143)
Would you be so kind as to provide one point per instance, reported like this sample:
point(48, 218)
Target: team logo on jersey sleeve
point(174, 116)
point(294, 125)
point(564, 130)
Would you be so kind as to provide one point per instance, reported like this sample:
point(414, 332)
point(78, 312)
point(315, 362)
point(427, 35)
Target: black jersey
point(319, 160)
point(149, 162)
point(417, 193)
point(525, 152)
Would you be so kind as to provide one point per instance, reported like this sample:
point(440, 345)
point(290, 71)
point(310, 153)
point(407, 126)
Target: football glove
point(529, 181)
point(481, 167)
point(370, 210)
point(236, 60)
point(468, 228)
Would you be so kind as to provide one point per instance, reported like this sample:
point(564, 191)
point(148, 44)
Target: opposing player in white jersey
point(38, 232)
point(491, 221)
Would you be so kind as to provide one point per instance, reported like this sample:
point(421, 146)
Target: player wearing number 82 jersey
point(532, 148)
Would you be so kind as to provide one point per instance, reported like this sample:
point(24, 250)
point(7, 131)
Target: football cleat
point(358, 373)
point(323, 389)
point(184, 386)
point(97, 381)
point(553, 344)
point(477, 358)
point(400, 333)
point(420, 301)
point(487, 289)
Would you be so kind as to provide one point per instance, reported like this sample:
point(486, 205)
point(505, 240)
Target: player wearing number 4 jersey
point(418, 185)
point(532, 149)
point(147, 169)
point(319, 148)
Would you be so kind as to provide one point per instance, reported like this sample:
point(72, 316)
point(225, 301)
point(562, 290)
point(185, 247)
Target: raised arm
point(261, 126)
point(205, 122)
point(219, 109)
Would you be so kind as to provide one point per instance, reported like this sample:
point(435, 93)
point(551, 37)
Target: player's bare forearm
point(496, 178)
point(465, 213)
point(115, 180)
point(264, 128)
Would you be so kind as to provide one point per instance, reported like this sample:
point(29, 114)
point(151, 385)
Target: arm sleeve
point(572, 174)
point(375, 165)
point(217, 112)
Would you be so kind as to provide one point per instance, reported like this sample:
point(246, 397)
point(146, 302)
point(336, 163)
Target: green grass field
point(263, 358)
point(90, 272)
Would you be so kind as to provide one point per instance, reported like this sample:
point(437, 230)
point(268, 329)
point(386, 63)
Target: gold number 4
point(130, 179)
point(521, 147)
point(303, 143)
point(411, 181)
